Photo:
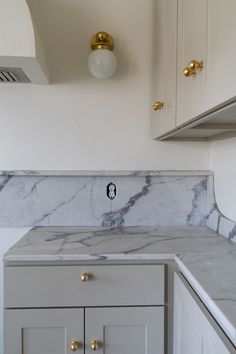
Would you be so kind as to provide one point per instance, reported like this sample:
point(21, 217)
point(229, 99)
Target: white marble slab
point(206, 259)
point(221, 224)
point(82, 200)
point(78, 198)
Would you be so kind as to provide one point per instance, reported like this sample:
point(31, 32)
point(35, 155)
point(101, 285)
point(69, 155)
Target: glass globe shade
point(102, 63)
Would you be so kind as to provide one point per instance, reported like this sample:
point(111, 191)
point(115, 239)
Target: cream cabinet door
point(164, 119)
point(133, 330)
point(221, 51)
point(192, 45)
point(188, 319)
point(43, 331)
point(194, 332)
point(212, 344)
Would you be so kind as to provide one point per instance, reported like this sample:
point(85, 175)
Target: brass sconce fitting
point(102, 40)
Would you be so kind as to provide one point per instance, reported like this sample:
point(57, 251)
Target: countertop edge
point(134, 173)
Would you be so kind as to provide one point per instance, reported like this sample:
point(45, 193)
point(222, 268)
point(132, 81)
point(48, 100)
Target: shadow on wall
point(66, 28)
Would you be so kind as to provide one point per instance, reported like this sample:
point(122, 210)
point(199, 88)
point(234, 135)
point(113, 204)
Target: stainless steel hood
point(22, 58)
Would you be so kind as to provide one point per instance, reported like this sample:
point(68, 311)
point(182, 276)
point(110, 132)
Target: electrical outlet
point(111, 191)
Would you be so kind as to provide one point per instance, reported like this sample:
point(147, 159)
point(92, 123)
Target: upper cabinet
point(165, 35)
point(191, 59)
point(195, 84)
point(221, 52)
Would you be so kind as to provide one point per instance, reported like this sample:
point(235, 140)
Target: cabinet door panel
point(192, 44)
point(42, 331)
point(212, 344)
point(165, 66)
point(195, 331)
point(188, 336)
point(126, 330)
point(221, 51)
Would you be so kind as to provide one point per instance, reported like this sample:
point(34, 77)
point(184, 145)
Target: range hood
point(22, 57)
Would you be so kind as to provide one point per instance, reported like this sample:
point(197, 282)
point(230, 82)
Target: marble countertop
point(207, 260)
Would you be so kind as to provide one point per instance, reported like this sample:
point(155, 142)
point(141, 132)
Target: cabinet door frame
point(105, 321)
point(164, 65)
point(71, 320)
point(221, 53)
point(191, 45)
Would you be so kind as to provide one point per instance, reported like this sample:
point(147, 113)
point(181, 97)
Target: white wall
point(223, 163)
point(78, 122)
point(82, 123)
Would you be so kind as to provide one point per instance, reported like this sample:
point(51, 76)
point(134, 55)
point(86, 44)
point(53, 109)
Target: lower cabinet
point(115, 309)
point(110, 309)
point(193, 332)
point(125, 330)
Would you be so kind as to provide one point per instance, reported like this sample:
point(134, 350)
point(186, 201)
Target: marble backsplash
point(82, 200)
point(31, 198)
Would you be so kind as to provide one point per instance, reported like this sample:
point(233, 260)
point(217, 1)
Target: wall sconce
point(102, 61)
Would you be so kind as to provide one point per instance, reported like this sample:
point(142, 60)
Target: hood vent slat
point(9, 75)
point(6, 77)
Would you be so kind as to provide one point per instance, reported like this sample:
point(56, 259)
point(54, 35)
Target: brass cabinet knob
point(158, 106)
point(74, 346)
point(193, 68)
point(95, 345)
point(85, 276)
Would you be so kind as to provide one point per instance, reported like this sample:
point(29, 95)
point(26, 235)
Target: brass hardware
point(158, 106)
point(75, 346)
point(193, 68)
point(102, 40)
point(85, 276)
point(95, 345)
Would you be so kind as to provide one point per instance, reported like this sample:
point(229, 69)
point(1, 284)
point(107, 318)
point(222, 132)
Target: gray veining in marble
point(222, 225)
point(206, 259)
point(215, 219)
point(58, 243)
point(78, 198)
point(82, 201)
